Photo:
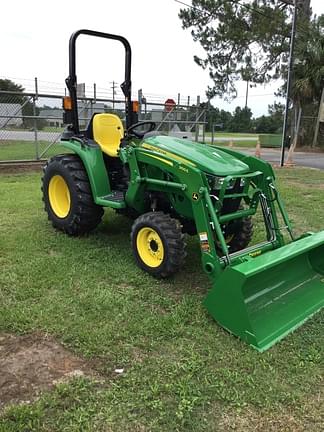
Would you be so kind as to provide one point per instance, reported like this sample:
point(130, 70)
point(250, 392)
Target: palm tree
point(308, 72)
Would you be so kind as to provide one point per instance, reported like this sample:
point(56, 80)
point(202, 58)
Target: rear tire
point(158, 244)
point(67, 195)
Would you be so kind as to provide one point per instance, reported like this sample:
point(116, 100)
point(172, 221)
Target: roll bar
point(71, 80)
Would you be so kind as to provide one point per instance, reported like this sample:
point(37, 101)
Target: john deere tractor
point(171, 187)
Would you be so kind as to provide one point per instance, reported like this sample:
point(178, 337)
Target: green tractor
point(170, 187)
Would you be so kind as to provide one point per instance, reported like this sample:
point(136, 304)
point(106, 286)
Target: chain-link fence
point(31, 123)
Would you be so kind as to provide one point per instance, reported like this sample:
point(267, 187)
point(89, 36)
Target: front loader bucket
point(267, 297)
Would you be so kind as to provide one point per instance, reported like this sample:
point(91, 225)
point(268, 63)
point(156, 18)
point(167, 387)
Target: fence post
point(187, 116)
point(35, 97)
point(140, 96)
point(204, 127)
point(197, 118)
point(113, 94)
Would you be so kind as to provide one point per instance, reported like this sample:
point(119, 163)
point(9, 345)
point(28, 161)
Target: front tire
point(67, 195)
point(238, 234)
point(158, 244)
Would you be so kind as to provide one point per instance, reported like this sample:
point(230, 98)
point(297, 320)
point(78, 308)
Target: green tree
point(221, 118)
point(263, 124)
point(277, 111)
point(214, 116)
point(243, 40)
point(225, 118)
point(308, 76)
point(10, 86)
point(249, 40)
point(16, 95)
point(271, 123)
point(242, 120)
point(308, 68)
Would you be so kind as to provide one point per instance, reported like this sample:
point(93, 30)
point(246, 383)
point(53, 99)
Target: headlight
point(216, 183)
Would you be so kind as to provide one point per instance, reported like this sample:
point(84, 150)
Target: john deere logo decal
point(195, 196)
point(256, 253)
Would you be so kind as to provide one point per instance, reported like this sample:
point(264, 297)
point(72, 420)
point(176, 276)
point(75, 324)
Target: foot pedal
point(115, 196)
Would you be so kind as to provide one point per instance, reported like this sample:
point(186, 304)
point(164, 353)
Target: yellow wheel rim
point(59, 196)
point(150, 247)
point(228, 240)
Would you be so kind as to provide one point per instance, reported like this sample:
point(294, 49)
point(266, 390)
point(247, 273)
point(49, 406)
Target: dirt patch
point(33, 363)
point(21, 167)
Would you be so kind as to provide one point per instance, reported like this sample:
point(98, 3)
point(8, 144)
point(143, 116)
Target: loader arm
point(260, 293)
point(181, 178)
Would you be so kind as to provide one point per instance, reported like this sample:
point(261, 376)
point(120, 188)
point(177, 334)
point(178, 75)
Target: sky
point(35, 35)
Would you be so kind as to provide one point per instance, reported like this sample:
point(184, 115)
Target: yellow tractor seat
point(107, 131)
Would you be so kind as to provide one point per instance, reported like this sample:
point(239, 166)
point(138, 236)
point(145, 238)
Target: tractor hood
point(207, 158)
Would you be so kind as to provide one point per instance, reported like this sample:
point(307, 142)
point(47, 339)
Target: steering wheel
point(140, 134)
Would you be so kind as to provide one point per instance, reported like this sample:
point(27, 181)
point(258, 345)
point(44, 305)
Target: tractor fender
point(92, 159)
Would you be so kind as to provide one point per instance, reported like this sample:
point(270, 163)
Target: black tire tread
point(86, 215)
point(170, 230)
point(243, 236)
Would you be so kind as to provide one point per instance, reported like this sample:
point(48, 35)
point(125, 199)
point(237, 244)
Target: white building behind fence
point(9, 113)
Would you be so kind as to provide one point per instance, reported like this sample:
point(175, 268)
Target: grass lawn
point(22, 150)
point(182, 372)
point(236, 143)
point(221, 139)
point(233, 134)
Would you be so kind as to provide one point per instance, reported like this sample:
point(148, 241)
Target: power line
point(233, 1)
point(192, 7)
point(250, 8)
point(253, 10)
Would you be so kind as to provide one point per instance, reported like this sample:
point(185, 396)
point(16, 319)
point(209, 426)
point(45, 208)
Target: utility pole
point(290, 68)
point(247, 94)
point(113, 97)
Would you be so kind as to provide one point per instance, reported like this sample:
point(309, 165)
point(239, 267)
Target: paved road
point(28, 135)
point(306, 159)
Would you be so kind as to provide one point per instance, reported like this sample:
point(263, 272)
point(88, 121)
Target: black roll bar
point(71, 80)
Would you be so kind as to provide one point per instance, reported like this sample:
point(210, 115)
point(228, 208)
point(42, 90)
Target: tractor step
point(116, 199)
point(115, 196)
